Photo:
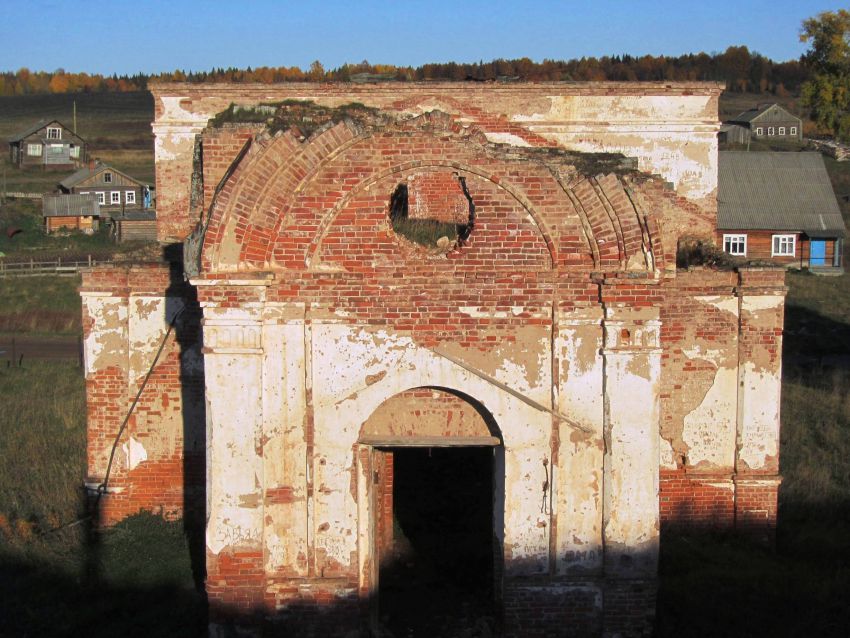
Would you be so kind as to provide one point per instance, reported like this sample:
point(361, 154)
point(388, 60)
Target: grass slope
point(134, 580)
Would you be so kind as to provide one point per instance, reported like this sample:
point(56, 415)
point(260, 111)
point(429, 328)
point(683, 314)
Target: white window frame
point(782, 130)
point(34, 150)
point(770, 131)
point(129, 197)
point(54, 129)
point(101, 198)
point(793, 130)
point(75, 151)
point(114, 197)
point(107, 177)
point(759, 130)
point(783, 246)
point(56, 149)
point(735, 244)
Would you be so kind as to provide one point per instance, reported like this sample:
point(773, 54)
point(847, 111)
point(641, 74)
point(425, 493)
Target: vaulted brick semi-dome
point(488, 270)
point(324, 203)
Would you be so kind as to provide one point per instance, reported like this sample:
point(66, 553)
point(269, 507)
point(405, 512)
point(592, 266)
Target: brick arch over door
point(273, 210)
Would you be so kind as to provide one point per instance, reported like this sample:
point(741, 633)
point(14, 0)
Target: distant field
point(117, 127)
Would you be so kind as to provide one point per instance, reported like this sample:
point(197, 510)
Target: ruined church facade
point(297, 346)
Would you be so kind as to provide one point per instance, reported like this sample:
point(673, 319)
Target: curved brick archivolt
point(324, 203)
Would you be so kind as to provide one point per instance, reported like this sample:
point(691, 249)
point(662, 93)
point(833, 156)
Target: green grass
point(425, 232)
point(40, 305)
point(133, 580)
point(723, 586)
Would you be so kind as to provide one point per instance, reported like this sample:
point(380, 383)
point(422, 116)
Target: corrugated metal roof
point(776, 191)
point(70, 205)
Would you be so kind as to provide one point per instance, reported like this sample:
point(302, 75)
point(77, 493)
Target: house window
point(34, 150)
point(129, 197)
point(101, 198)
point(783, 245)
point(759, 130)
point(735, 244)
point(75, 151)
point(115, 197)
point(793, 130)
point(56, 149)
point(107, 177)
point(54, 133)
point(770, 130)
point(782, 130)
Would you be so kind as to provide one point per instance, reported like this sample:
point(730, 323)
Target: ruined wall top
point(669, 128)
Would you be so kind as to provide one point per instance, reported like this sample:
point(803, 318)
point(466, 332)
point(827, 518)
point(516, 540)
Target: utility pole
point(75, 117)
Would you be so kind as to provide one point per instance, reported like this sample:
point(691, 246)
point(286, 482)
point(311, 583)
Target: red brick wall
point(170, 480)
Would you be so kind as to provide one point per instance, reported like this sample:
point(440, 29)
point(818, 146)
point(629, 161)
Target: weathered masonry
point(432, 354)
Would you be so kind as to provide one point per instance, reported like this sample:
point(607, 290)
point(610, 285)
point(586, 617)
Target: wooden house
point(767, 121)
point(70, 212)
point(49, 145)
point(116, 192)
point(779, 207)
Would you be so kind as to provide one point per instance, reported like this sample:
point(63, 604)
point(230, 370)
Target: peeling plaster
point(134, 452)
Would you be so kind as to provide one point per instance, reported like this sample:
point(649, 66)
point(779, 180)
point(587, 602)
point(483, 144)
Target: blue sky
point(120, 36)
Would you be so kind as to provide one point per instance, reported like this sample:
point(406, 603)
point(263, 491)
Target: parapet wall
point(670, 128)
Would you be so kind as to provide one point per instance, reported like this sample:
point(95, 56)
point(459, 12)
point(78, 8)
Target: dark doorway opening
point(437, 570)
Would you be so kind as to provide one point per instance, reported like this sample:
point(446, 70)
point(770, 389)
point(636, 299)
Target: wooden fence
point(20, 195)
point(59, 266)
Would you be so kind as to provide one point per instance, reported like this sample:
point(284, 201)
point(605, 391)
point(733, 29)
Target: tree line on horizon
point(739, 68)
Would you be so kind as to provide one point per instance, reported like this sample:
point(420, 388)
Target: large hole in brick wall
point(437, 574)
point(433, 210)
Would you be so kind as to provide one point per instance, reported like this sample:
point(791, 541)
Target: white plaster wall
point(342, 359)
point(234, 429)
point(761, 385)
point(578, 480)
point(285, 445)
point(106, 344)
point(632, 378)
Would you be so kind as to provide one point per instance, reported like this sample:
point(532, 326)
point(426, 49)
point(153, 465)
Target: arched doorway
point(437, 511)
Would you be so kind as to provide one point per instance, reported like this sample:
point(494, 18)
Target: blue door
point(817, 252)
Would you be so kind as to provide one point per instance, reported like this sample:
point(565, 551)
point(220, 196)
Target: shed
point(77, 212)
point(136, 225)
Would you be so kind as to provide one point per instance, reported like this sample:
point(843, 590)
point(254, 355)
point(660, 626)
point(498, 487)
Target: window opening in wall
point(735, 244)
point(54, 133)
point(437, 569)
point(782, 130)
point(107, 177)
point(115, 197)
point(759, 130)
point(130, 197)
point(770, 130)
point(33, 149)
point(793, 130)
point(783, 245)
point(429, 231)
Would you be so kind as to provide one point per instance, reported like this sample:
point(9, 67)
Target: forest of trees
point(741, 70)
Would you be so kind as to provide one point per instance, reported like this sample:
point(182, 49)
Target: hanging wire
point(101, 489)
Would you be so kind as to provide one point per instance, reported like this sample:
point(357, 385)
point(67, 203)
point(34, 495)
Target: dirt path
point(38, 347)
